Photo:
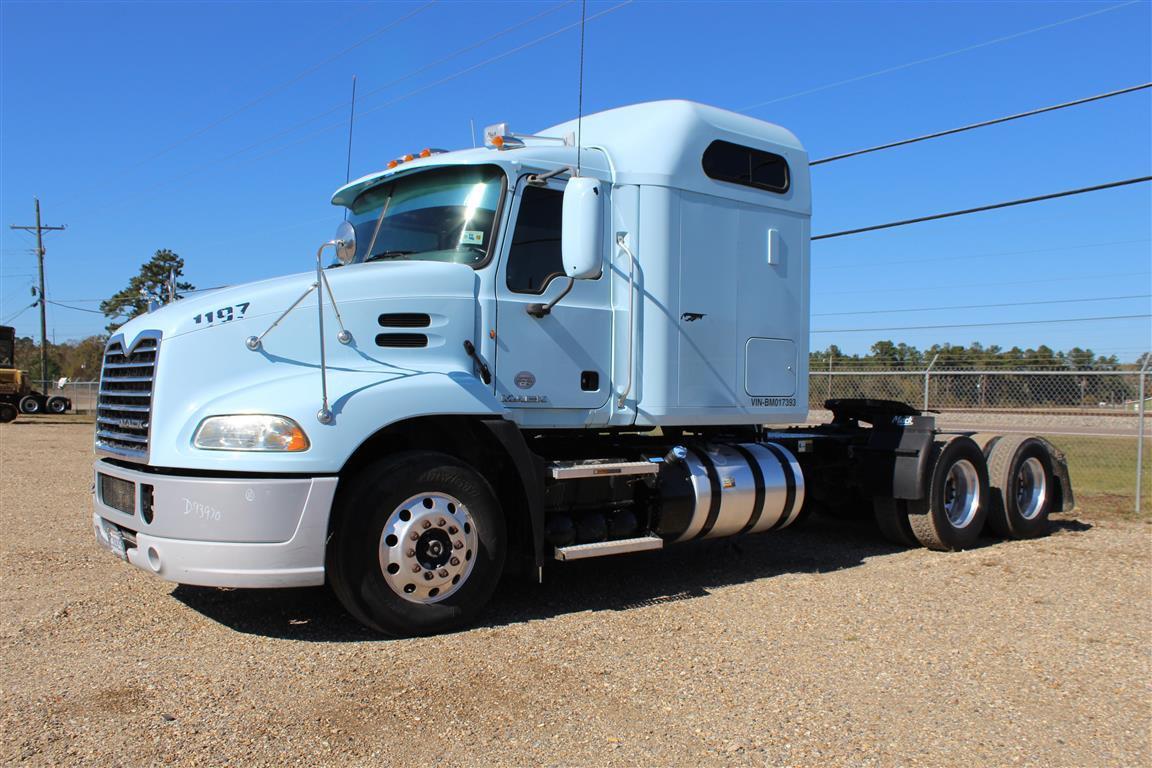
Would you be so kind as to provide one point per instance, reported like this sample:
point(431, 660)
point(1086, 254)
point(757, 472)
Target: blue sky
point(219, 130)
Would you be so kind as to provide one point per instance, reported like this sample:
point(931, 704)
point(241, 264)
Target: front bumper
point(215, 531)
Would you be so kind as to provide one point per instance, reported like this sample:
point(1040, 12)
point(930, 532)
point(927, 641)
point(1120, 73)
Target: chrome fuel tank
point(722, 489)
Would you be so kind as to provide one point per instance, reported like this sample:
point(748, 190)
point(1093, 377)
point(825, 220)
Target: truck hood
point(406, 324)
point(254, 306)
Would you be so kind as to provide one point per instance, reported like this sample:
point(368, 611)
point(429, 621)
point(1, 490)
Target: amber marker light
point(498, 142)
point(408, 158)
point(425, 153)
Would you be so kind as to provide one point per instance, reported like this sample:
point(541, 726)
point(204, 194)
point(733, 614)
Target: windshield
point(442, 214)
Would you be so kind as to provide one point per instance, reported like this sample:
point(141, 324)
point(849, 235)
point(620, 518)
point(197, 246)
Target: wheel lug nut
point(441, 522)
point(453, 530)
point(455, 561)
point(428, 575)
point(427, 524)
point(458, 545)
point(410, 552)
point(415, 569)
point(415, 536)
point(443, 573)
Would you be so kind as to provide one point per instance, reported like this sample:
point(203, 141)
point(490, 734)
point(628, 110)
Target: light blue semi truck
point(579, 343)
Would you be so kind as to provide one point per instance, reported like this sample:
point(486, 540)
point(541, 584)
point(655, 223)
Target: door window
point(534, 258)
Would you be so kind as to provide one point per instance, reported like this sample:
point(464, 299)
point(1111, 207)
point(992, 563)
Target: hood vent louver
point(405, 320)
point(407, 340)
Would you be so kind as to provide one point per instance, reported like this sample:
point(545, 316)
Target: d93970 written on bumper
point(215, 531)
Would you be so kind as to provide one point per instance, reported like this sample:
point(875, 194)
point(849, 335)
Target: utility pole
point(40, 229)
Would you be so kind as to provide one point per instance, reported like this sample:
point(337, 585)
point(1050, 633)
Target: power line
point(287, 83)
point(499, 56)
point(78, 309)
point(980, 325)
point(938, 56)
point(999, 283)
point(219, 161)
point(978, 209)
point(868, 264)
point(12, 317)
point(395, 81)
point(983, 306)
point(447, 78)
point(982, 124)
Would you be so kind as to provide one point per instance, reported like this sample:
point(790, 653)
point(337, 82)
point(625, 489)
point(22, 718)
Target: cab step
point(575, 470)
point(605, 548)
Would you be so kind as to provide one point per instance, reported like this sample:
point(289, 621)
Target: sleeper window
point(746, 166)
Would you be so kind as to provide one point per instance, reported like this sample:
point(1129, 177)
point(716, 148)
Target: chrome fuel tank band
point(777, 498)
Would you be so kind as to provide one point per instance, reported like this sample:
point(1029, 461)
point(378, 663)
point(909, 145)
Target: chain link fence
point(82, 394)
point(1098, 418)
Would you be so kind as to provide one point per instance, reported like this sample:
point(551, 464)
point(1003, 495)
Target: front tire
point(418, 544)
point(57, 405)
point(952, 513)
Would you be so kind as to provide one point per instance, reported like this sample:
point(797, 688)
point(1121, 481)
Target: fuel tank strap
point(790, 485)
point(758, 479)
point(715, 500)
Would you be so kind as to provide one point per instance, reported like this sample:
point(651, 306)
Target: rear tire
point(955, 506)
point(418, 544)
point(57, 405)
point(1023, 487)
point(892, 518)
point(7, 413)
point(30, 404)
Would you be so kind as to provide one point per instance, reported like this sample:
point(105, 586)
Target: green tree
point(151, 282)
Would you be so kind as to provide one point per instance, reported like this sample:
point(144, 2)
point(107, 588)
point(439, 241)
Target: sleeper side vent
point(405, 320)
point(406, 340)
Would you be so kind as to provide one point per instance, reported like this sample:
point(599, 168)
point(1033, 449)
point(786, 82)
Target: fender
point(530, 469)
point(362, 402)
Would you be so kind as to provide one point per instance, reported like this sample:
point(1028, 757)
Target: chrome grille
point(124, 402)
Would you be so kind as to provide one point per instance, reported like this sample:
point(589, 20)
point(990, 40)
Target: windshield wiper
point(388, 255)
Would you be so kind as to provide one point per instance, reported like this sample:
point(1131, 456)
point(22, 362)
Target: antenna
point(580, 87)
point(351, 122)
point(472, 127)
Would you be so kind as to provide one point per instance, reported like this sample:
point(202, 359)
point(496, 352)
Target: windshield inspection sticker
point(472, 237)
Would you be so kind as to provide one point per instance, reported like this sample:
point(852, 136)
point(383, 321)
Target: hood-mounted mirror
point(345, 243)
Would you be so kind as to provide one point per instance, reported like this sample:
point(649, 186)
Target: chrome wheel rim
point(1031, 488)
point(428, 547)
point(961, 493)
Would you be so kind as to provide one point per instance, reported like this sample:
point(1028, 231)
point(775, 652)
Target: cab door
point(561, 360)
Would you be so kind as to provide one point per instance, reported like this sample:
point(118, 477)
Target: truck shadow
point(621, 583)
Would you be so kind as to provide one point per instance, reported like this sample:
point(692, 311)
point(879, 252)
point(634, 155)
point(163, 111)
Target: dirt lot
point(818, 646)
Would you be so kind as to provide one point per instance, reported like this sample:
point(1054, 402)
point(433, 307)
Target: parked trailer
point(16, 392)
point(525, 354)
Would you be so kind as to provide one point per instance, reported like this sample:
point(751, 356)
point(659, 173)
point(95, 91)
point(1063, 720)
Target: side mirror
point(582, 240)
point(345, 243)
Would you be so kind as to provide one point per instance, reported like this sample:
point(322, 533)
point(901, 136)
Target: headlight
point(250, 433)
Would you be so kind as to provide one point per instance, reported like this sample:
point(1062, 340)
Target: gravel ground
point(819, 646)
